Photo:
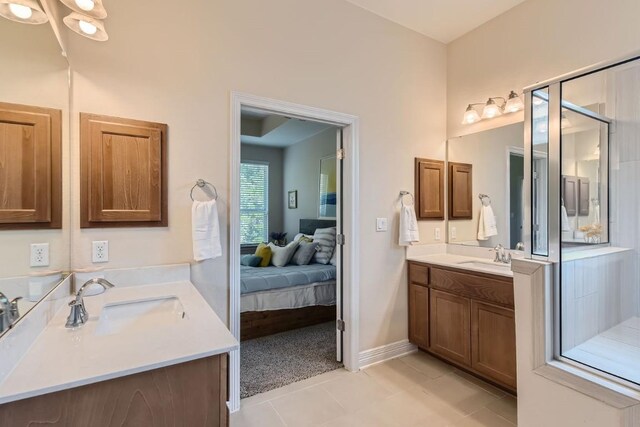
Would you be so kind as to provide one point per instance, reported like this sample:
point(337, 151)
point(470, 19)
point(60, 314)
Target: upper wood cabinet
point(460, 191)
point(570, 194)
point(584, 199)
point(123, 172)
point(30, 167)
point(429, 191)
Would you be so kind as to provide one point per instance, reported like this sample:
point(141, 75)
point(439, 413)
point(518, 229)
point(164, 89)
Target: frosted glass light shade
point(491, 110)
point(514, 103)
point(84, 7)
point(86, 26)
point(24, 11)
point(470, 116)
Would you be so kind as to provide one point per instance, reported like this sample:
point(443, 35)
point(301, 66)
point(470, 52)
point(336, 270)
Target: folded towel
point(487, 223)
point(408, 226)
point(206, 230)
point(566, 226)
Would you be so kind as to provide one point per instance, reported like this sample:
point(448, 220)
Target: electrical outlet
point(100, 252)
point(382, 224)
point(39, 254)
point(436, 234)
point(454, 233)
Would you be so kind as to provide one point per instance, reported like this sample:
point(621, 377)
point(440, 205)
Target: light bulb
point(86, 5)
point(470, 116)
point(491, 110)
point(20, 11)
point(87, 28)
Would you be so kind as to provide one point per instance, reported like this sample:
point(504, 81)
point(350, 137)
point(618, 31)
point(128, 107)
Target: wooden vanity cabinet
point(465, 318)
point(187, 394)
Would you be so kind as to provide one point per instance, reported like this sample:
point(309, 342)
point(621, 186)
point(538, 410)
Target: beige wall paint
point(274, 156)
point(534, 41)
point(33, 72)
point(178, 65)
point(302, 173)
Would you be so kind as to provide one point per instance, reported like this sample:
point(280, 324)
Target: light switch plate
point(39, 254)
point(100, 251)
point(436, 234)
point(454, 233)
point(382, 224)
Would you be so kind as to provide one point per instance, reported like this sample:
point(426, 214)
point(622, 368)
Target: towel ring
point(201, 183)
point(406, 193)
point(482, 197)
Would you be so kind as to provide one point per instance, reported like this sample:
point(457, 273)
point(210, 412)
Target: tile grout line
point(284, 423)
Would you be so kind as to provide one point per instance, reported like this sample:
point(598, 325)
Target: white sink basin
point(140, 315)
point(487, 265)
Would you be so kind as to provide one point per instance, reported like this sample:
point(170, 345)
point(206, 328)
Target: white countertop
point(62, 358)
point(462, 262)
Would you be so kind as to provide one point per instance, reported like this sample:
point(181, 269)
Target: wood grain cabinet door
point(429, 189)
point(124, 174)
point(584, 199)
point(30, 167)
point(460, 191)
point(493, 342)
point(570, 194)
point(450, 327)
point(419, 315)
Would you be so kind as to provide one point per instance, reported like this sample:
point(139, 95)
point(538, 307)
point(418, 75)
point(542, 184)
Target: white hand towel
point(205, 230)
point(487, 223)
point(565, 219)
point(408, 226)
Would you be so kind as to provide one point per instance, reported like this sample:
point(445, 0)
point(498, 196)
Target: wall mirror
point(34, 153)
point(486, 204)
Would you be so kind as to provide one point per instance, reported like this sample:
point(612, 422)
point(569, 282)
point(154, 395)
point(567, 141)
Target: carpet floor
point(274, 361)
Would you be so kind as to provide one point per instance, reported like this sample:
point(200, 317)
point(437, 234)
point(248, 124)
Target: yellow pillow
point(264, 252)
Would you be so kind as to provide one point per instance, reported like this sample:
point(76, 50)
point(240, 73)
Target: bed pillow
point(326, 238)
point(281, 255)
point(303, 237)
point(251, 260)
point(304, 253)
point(334, 257)
point(264, 252)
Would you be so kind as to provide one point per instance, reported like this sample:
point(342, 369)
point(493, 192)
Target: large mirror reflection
point(493, 188)
point(34, 109)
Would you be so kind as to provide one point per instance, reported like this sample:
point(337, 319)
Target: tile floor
point(414, 390)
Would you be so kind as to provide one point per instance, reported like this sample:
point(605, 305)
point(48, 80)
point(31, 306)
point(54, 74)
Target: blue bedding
point(256, 279)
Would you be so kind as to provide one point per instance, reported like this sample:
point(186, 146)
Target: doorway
point(346, 308)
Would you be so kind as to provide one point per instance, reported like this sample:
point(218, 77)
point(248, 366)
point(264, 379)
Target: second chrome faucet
point(502, 255)
point(79, 315)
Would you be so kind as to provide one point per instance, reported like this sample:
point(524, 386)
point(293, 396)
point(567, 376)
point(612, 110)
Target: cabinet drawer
point(418, 273)
point(476, 285)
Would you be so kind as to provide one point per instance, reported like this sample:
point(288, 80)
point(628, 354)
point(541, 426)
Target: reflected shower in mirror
point(497, 187)
point(34, 110)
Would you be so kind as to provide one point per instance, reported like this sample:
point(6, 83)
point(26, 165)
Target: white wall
point(302, 173)
point(33, 72)
point(275, 157)
point(487, 152)
point(177, 65)
point(534, 41)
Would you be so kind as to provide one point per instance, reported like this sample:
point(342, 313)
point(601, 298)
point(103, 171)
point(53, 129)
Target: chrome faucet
point(502, 255)
point(79, 315)
point(520, 246)
point(9, 312)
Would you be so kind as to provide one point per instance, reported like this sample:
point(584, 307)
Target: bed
point(277, 299)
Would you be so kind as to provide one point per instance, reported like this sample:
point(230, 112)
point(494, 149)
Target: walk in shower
point(583, 160)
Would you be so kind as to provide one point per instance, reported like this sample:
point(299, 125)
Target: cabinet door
point(429, 191)
point(460, 191)
point(450, 326)
point(493, 342)
point(419, 315)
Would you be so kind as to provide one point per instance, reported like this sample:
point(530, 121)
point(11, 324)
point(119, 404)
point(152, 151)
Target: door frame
point(351, 273)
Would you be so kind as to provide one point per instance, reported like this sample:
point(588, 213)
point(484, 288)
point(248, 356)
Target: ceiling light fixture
point(24, 11)
point(86, 26)
point(93, 8)
point(494, 107)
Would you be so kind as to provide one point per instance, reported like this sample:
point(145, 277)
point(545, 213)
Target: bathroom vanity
point(461, 310)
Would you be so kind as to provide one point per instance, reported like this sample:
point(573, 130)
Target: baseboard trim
point(385, 352)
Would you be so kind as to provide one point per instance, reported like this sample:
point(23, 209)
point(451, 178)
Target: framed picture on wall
point(328, 188)
point(293, 199)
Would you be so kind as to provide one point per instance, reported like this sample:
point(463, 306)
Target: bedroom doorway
point(293, 301)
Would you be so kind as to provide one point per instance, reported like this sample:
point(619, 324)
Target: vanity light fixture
point(25, 11)
point(564, 122)
point(86, 26)
point(494, 107)
point(93, 8)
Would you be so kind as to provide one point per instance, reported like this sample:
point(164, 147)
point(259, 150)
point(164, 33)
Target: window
point(254, 203)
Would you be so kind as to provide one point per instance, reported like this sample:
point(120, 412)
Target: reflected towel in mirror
point(487, 223)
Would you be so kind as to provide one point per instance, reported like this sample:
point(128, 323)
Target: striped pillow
point(326, 237)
